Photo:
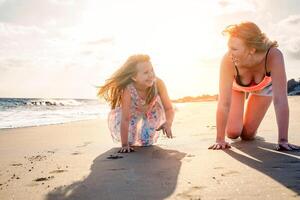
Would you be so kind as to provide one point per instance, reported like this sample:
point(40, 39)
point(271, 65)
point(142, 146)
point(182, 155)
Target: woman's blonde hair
point(250, 33)
point(114, 86)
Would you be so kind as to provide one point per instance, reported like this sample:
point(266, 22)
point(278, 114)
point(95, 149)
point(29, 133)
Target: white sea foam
point(15, 113)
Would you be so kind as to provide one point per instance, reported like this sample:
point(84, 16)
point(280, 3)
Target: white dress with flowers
point(144, 120)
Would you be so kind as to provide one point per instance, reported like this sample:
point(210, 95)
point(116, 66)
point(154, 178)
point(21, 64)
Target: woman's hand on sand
point(285, 146)
point(220, 145)
point(166, 129)
point(126, 149)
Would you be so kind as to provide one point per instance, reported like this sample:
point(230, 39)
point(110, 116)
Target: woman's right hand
point(220, 146)
point(126, 149)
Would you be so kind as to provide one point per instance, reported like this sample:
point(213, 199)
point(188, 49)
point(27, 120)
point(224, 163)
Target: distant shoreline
point(196, 99)
point(205, 98)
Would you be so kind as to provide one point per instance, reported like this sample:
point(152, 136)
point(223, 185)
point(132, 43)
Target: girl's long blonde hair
point(250, 33)
point(114, 86)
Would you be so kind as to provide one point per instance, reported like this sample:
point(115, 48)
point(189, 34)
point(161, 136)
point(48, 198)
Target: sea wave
point(16, 113)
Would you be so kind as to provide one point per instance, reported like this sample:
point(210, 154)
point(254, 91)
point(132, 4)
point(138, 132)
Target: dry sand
point(72, 161)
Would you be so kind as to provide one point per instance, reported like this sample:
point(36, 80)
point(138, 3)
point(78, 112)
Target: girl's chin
point(149, 84)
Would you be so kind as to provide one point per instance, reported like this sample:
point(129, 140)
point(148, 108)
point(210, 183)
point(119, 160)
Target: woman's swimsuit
point(263, 88)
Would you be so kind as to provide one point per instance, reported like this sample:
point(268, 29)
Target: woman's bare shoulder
point(275, 58)
point(275, 53)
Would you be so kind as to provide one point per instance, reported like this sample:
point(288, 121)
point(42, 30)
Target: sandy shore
point(72, 161)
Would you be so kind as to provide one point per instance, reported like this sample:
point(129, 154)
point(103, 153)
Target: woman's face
point(145, 76)
point(238, 51)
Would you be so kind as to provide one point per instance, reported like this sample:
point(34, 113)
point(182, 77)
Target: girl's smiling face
point(145, 75)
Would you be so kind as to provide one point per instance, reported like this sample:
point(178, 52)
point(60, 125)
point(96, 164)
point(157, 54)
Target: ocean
point(27, 112)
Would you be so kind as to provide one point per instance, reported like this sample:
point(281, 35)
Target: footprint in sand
point(113, 157)
point(229, 173)
point(192, 193)
point(210, 127)
point(43, 179)
point(33, 184)
point(116, 169)
point(190, 155)
point(218, 167)
point(293, 161)
point(84, 144)
point(277, 167)
point(37, 158)
point(76, 153)
point(16, 164)
point(188, 158)
point(14, 177)
point(218, 181)
point(58, 171)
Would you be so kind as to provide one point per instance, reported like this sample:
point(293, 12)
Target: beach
point(78, 160)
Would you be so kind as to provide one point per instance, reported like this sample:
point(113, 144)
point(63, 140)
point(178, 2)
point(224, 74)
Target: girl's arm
point(125, 118)
point(280, 101)
point(224, 101)
point(167, 104)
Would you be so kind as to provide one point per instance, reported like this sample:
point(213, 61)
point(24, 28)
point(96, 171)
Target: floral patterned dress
point(144, 120)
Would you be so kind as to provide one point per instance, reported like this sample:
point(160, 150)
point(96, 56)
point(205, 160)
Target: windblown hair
point(113, 88)
point(250, 33)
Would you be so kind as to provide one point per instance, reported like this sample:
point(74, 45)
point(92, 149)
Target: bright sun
point(182, 41)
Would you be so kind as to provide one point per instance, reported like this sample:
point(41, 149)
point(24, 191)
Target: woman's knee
point(233, 133)
point(248, 132)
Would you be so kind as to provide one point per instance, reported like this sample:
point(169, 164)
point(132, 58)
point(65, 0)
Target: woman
point(252, 66)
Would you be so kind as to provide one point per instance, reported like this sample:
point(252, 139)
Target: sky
point(66, 48)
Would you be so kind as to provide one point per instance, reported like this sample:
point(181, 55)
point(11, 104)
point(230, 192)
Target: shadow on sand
point(283, 167)
point(148, 173)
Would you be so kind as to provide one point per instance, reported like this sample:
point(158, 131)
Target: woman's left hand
point(166, 129)
point(285, 146)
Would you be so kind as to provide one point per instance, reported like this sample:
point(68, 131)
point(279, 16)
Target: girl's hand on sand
point(126, 149)
point(166, 129)
point(220, 145)
point(285, 146)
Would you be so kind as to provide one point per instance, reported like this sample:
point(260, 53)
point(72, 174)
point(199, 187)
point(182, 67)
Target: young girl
point(140, 104)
